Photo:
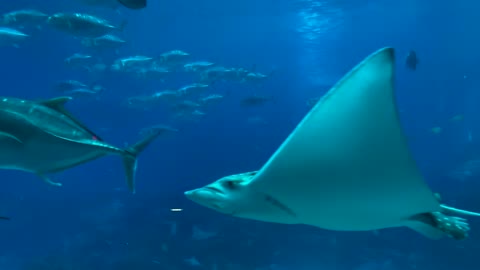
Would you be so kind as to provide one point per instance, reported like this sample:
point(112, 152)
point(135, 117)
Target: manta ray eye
point(230, 184)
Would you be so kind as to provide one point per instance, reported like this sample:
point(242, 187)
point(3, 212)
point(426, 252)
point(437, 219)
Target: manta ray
point(345, 167)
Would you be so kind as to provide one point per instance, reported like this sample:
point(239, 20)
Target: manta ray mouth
point(214, 189)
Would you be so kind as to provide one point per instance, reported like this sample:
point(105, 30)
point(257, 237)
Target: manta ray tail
point(130, 157)
point(455, 211)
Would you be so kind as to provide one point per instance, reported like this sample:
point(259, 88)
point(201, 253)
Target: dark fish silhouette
point(412, 61)
point(42, 137)
point(254, 100)
point(134, 4)
point(4, 218)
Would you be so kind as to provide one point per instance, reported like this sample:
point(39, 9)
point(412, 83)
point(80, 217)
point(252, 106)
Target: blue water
point(93, 222)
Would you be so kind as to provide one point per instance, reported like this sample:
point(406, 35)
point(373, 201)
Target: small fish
point(172, 58)
point(210, 99)
point(83, 92)
point(189, 115)
point(457, 118)
point(12, 37)
point(411, 61)
point(192, 89)
point(192, 261)
point(255, 77)
point(436, 130)
point(198, 113)
point(213, 74)
point(69, 85)
point(141, 102)
point(104, 42)
point(185, 106)
point(217, 73)
point(150, 101)
point(82, 25)
point(199, 234)
point(79, 60)
point(153, 72)
point(24, 17)
point(4, 218)
point(160, 129)
point(255, 100)
point(132, 63)
point(197, 66)
point(134, 4)
point(166, 95)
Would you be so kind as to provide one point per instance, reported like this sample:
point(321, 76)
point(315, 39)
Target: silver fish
point(42, 137)
point(24, 17)
point(82, 25)
point(12, 37)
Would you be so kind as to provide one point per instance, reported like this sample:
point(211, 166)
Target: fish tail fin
point(130, 157)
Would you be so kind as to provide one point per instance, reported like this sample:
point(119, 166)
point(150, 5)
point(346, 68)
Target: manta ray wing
point(347, 165)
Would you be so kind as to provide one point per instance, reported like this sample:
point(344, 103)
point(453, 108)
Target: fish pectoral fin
point(7, 137)
point(47, 180)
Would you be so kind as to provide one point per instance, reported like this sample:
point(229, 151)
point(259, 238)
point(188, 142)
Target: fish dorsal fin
point(58, 104)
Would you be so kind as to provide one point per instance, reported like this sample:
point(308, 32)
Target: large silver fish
point(42, 137)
